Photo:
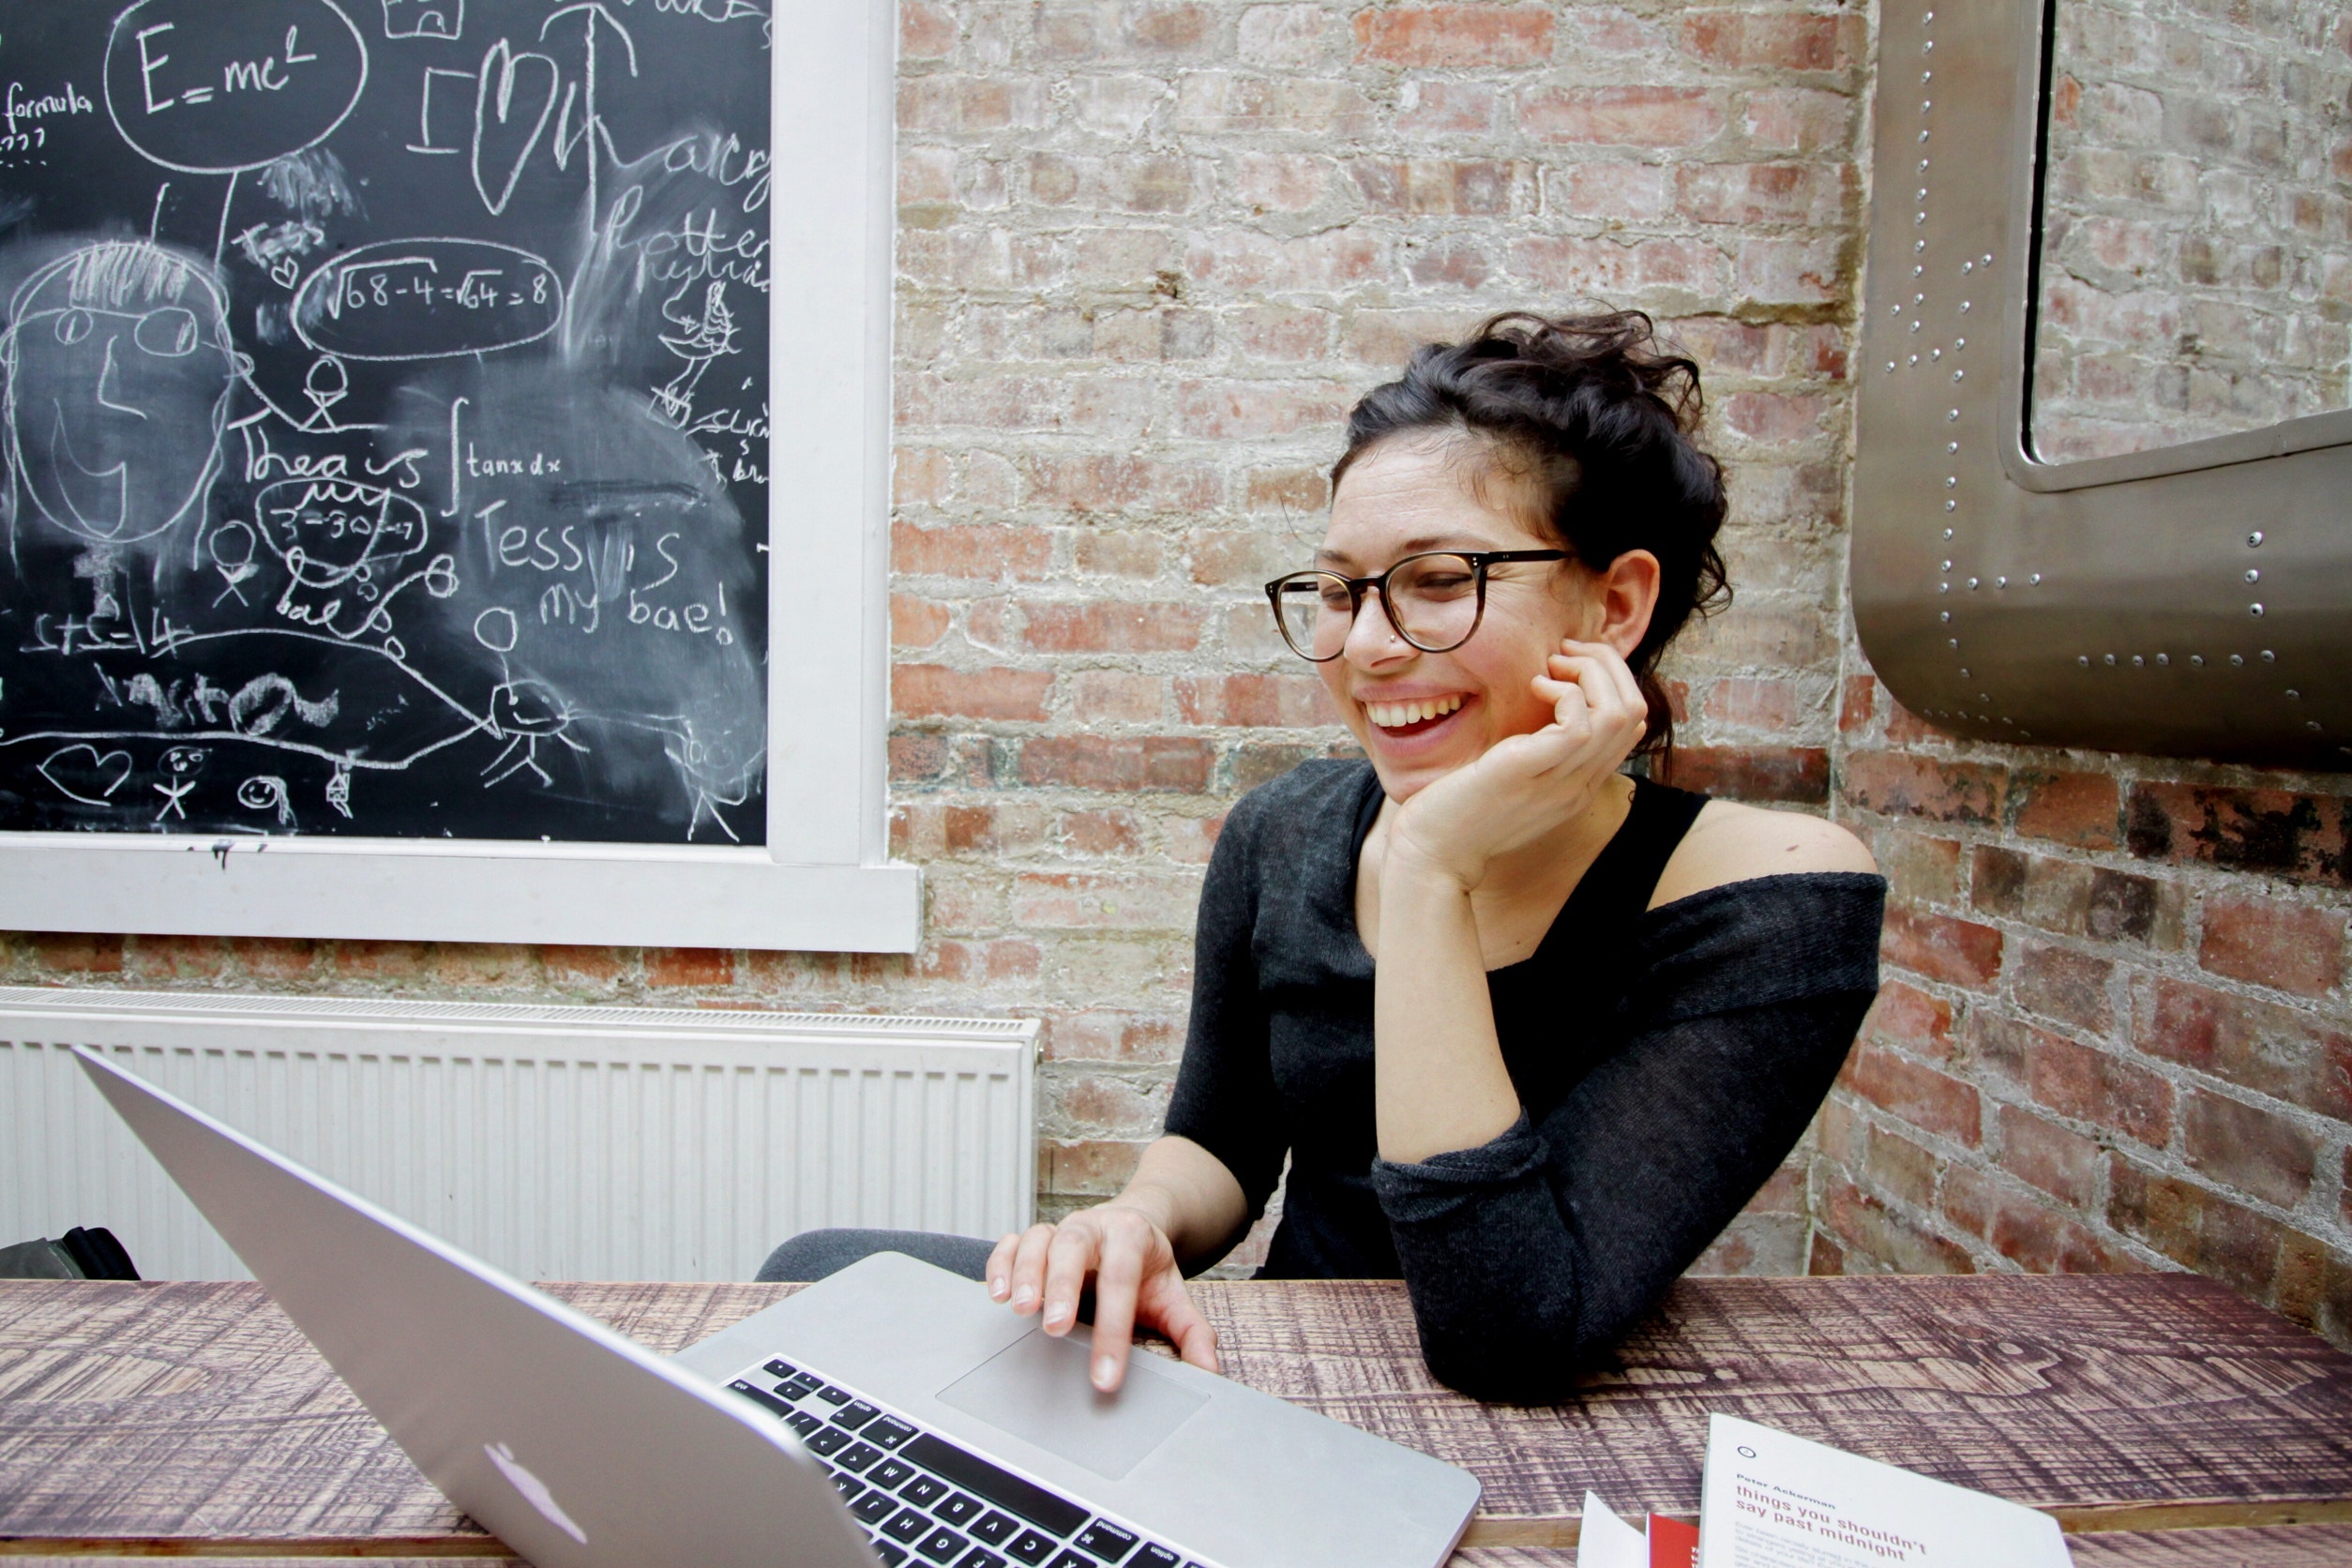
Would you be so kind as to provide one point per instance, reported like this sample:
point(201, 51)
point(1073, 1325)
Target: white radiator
point(556, 1142)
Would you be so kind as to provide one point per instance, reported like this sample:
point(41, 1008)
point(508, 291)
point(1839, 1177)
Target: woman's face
point(1404, 496)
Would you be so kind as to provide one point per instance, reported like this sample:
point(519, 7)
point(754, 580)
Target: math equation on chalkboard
point(384, 402)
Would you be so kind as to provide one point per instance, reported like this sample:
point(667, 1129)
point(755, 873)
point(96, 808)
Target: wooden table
point(2161, 1418)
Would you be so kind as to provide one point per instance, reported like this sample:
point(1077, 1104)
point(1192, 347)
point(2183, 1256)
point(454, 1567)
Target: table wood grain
point(2162, 1416)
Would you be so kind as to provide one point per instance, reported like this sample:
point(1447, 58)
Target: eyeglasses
point(1434, 600)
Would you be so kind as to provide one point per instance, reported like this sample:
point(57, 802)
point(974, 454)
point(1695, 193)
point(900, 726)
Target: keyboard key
point(801, 1387)
point(891, 1556)
point(1157, 1557)
point(942, 1545)
point(803, 1423)
point(980, 1556)
point(924, 1490)
point(761, 1396)
point(854, 1415)
point(997, 1529)
point(781, 1370)
point(959, 1510)
point(1106, 1540)
point(1072, 1560)
point(889, 1472)
point(908, 1526)
point(1032, 1546)
point(887, 1433)
point(833, 1396)
point(874, 1507)
point(1057, 1515)
point(848, 1486)
point(828, 1440)
point(858, 1455)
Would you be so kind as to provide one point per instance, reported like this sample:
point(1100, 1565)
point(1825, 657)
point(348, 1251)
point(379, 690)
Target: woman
point(1530, 1032)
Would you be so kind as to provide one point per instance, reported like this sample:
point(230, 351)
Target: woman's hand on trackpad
point(1137, 1283)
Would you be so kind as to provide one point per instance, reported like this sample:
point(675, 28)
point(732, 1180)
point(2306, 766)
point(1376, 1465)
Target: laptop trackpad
point(1036, 1388)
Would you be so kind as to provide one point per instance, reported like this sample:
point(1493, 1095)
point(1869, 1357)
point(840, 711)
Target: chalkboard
point(385, 416)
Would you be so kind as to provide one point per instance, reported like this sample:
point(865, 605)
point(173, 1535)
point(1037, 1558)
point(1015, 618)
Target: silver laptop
point(890, 1413)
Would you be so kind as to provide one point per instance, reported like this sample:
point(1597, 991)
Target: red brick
point(1919, 868)
point(1115, 628)
point(2059, 982)
point(1956, 952)
point(925, 30)
point(1897, 785)
point(1858, 704)
point(2301, 838)
point(1621, 116)
point(1292, 491)
point(916, 623)
point(669, 967)
point(1114, 482)
point(1100, 833)
point(917, 759)
point(1617, 265)
point(934, 690)
point(1772, 703)
point(968, 105)
point(169, 958)
point(2037, 1239)
point(1906, 1017)
point(2198, 1227)
point(1825, 1259)
point(1233, 410)
point(1509, 37)
point(1098, 762)
point(1285, 701)
point(2081, 809)
point(1190, 839)
point(1866, 1225)
point(1742, 40)
point(1752, 194)
point(1897, 1167)
point(2061, 1163)
point(2075, 1081)
point(77, 953)
point(486, 963)
point(568, 965)
point(2248, 1148)
point(279, 958)
point(1166, 29)
point(1106, 1034)
point(1906, 728)
point(1438, 108)
point(1093, 1169)
point(1114, 1104)
point(2075, 899)
point(2261, 1046)
point(991, 962)
point(1922, 1096)
point(1427, 186)
point(2294, 947)
point(1112, 696)
point(1799, 774)
point(1461, 263)
point(974, 552)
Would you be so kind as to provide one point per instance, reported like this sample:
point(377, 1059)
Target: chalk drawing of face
point(119, 369)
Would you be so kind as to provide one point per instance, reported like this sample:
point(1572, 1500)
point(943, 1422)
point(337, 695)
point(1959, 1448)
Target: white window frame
point(823, 881)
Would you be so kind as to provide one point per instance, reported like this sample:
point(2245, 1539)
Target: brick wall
point(1148, 253)
point(2198, 277)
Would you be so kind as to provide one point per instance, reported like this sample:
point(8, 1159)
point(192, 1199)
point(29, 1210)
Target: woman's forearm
point(1189, 1194)
point(1439, 1080)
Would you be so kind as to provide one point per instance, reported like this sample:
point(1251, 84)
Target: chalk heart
point(82, 774)
point(510, 115)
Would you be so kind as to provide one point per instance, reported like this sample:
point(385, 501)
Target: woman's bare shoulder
point(1731, 842)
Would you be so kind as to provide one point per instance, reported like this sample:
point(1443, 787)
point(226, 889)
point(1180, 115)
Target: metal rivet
point(2196, 661)
point(2253, 540)
point(2083, 659)
point(1917, 270)
point(1925, 105)
point(2034, 582)
point(1950, 506)
point(1894, 309)
point(1946, 532)
point(1952, 481)
point(1890, 366)
point(1967, 267)
point(1953, 640)
point(1915, 359)
point(1965, 675)
point(1934, 354)
point(1950, 414)
point(1922, 166)
point(1988, 261)
point(1915, 326)
point(1943, 616)
point(2110, 659)
point(1964, 307)
point(2254, 609)
point(2254, 576)
point(1973, 582)
point(2294, 696)
point(2137, 662)
point(1925, 76)
point(1919, 299)
point(2162, 659)
point(1918, 218)
point(1922, 196)
point(2311, 724)
point(1947, 566)
point(1959, 344)
point(2269, 657)
point(1922, 136)
point(1957, 374)
point(1943, 587)
point(2237, 658)
point(1982, 696)
point(2001, 582)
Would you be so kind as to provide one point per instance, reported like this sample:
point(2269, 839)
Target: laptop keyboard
point(925, 1500)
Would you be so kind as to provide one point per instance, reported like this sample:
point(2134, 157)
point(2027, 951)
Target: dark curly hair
point(1598, 417)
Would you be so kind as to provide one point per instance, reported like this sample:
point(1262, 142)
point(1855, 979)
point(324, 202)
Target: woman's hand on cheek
point(1525, 786)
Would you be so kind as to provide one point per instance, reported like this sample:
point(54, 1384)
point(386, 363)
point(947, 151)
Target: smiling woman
point(1528, 1031)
